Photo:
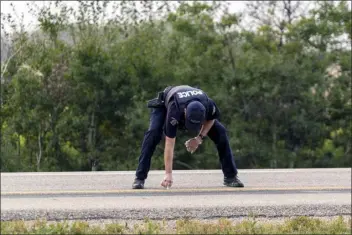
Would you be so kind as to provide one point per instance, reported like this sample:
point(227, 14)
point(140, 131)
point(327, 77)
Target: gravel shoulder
point(181, 213)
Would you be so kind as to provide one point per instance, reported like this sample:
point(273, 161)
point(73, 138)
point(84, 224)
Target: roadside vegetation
point(74, 89)
point(299, 225)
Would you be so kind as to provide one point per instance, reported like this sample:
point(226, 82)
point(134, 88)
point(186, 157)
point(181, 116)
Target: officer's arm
point(169, 154)
point(206, 127)
point(212, 115)
point(170, 136)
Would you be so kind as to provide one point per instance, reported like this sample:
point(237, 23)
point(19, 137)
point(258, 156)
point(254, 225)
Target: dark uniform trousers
point(153, 135)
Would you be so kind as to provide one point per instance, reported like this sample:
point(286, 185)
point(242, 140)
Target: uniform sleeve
point(172, 120)
point(214, 112)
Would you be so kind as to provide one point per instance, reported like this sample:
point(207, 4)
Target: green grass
point(299, 225)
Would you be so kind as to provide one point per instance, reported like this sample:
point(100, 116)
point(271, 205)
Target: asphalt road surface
point(195, 194)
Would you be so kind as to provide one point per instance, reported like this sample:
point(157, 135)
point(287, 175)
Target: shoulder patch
point(173, 121)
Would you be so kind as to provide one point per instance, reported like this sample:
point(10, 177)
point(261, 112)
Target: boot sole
point(137, 187)
point(234, 186)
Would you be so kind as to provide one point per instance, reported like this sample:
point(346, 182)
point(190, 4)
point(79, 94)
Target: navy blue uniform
point(171, 117)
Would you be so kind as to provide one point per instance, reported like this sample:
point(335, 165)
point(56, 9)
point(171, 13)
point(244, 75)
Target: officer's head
point(195, 116)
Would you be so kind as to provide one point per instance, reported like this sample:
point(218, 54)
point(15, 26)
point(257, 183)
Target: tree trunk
point(55, 138)
point(91, 141)
point(40, 149)
point(19, 150)
point(274, 150)
point(232, 58)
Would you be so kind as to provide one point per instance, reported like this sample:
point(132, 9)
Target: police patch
point(173, 121)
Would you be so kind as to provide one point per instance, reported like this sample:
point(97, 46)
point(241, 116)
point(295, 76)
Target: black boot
point(138, 184)
point(233, 182)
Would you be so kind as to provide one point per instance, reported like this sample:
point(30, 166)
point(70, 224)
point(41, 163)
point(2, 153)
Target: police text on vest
point(185, 94)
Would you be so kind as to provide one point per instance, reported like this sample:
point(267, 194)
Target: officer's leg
point(219, 136)
point(151, 139)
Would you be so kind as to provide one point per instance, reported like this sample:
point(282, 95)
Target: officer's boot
point(233, 182)
point(138, 184)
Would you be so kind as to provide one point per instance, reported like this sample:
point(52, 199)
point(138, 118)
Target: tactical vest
point(185, 94)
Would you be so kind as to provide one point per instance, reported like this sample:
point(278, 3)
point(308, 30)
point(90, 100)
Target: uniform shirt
point(175, 118)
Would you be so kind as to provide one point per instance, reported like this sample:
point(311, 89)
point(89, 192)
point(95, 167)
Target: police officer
point(184, 107)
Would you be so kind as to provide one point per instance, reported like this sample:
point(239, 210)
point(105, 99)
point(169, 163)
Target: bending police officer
point(184, 107)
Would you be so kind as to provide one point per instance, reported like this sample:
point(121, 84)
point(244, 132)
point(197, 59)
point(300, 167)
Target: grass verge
point(299, 225)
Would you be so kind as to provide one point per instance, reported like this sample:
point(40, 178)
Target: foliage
point(74, 92)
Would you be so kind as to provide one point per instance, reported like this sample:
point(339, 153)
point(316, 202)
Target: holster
point(157, 102)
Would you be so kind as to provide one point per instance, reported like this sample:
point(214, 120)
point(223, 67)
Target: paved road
point(104, 195)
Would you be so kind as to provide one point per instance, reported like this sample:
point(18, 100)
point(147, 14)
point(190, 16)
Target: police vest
point(184, 94)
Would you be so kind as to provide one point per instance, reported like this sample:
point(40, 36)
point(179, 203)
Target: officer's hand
point(192, 144)
point(167, 182)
